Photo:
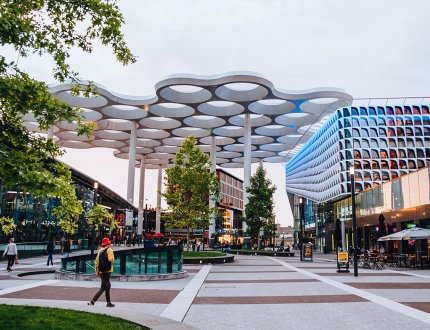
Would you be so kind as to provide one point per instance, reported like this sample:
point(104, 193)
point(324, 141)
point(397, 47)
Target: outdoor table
point(401, 260)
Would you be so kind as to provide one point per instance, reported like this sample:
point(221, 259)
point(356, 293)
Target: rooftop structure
point(238, 118)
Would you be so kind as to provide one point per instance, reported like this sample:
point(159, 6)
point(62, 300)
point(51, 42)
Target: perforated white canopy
point(202, 106)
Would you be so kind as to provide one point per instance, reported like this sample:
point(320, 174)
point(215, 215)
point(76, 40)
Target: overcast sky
point(368, 48)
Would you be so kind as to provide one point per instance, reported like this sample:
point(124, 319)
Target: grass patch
point(42, 318)
point(191, 254)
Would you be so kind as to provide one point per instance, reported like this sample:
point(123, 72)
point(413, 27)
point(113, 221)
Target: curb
point(209, 260)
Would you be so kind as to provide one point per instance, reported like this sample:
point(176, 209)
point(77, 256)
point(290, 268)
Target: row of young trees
point(190, 184)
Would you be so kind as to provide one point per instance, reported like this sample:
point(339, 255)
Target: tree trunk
point(188, 239)
point(259, 239)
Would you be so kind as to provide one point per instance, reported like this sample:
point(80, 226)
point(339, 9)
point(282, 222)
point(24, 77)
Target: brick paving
point(254, 292)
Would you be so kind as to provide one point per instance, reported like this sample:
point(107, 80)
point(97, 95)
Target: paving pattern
point(252, 293)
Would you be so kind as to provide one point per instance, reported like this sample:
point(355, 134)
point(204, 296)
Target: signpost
point(307, 252)
point(342, 262)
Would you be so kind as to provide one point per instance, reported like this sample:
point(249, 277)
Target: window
point(399, 111)
point(375, 165)
point(366, 154)
point(384, 164)
point(400, 132)
point(393, 164)
point(376, 176)
point(402, 153)
point(365, 143)
point(381, 111)
point(366, 165)
point(385, 176)
point(390, 111)
point(407, 110)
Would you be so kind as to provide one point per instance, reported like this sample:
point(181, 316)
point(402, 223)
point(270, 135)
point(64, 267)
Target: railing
point(32, 249)
point(133, 261)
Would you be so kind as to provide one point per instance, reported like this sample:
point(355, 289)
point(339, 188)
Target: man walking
point(50, 249)
point(104, 268)
point(11, 252)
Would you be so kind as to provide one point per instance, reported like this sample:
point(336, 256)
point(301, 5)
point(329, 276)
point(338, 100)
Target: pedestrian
point(67, 249)
point(11, 252)
point(62, 240)
point(104, 268)
point(198, 245)
point(50, 249)
point(193, 245)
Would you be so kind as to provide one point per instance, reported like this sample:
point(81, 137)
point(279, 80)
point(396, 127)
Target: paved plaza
point(254, 292)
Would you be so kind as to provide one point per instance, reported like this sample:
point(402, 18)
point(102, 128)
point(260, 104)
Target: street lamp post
point(301, 227)
point(93, 234)
point(354, 220)
point(145, 221)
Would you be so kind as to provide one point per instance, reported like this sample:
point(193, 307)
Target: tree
point(259, 208)
point(189, 185)
point(7, 225)
point(51, 27)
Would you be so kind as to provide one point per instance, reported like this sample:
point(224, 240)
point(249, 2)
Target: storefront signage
point(129, 218)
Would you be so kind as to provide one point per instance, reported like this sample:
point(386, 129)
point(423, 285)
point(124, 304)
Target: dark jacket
point(50, 247)
point(67, 246)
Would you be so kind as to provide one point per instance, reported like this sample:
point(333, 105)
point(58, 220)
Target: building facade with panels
point(229, 224)
point(383, 143)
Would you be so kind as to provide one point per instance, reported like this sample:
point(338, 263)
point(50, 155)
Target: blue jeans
point(49, 258)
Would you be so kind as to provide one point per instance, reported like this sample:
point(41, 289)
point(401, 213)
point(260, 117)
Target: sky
point(368, 48)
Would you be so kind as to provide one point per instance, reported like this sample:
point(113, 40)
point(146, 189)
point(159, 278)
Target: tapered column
point(211, 233)
point(141, 195)
point(246, 162)
point(158, 214)
point(131, 164)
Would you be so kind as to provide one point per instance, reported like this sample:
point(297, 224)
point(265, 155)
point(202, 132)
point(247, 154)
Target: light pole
point(301, 227)
point(354, 220)
point(96, 186)
point(145, 221)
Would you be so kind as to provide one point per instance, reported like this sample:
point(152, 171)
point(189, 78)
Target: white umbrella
point(407, 234)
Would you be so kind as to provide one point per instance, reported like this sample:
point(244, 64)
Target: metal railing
point(132, 261)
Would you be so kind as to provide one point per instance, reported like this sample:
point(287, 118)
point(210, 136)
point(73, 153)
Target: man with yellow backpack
point(104, 268)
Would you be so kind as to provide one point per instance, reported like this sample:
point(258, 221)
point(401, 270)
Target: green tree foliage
point(259, 208)
point(7, 225)
point(53, 28)
point(98, 215)
point(189, 185)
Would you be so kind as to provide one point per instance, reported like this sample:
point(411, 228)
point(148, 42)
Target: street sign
point(342, 262)
point(307, 252)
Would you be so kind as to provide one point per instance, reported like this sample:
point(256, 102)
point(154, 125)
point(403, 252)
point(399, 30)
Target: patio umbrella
point(407, 234)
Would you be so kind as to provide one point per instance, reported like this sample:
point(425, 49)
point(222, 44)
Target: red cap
point(105, 241)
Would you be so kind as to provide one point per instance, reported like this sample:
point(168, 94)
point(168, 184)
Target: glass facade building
point(33, 216)
point(385, 144)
